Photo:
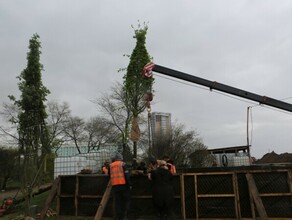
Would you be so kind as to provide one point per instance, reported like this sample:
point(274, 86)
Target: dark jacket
point(162, 189)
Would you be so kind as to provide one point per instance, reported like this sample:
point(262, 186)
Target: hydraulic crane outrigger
point(213, 85)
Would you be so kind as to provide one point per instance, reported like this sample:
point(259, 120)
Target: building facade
point(160, 123)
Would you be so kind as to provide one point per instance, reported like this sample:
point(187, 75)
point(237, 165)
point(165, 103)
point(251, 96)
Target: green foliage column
point(135, 86)
point(32, 129)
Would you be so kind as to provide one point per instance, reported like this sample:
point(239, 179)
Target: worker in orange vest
point(121, 184)
point(170, 164)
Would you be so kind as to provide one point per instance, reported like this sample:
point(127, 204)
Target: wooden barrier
point(241, 193)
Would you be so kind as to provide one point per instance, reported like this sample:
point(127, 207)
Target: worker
point(162, 190)
point(153, 164)
point(105, 167)
point(134, 164)
point(121, 184)
point(170, 164)
point(142, 167)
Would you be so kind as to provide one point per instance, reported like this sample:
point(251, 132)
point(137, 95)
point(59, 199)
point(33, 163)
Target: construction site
point(235, 188)
point(249, 192)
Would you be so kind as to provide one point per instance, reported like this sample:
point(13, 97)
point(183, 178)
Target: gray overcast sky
point(244, 44)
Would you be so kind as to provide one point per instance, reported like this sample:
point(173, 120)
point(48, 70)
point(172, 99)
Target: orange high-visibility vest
point(117, 173)
point(172, 168)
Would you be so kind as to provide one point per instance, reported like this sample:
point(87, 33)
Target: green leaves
point(135, 86)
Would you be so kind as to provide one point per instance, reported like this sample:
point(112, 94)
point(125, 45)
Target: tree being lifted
point(32, 128)
point(135, 87)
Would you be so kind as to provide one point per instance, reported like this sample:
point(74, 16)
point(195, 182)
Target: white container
point(69, 165)
point(92, 165)
point(224, 159)
point(99, 157)
point(240, 161)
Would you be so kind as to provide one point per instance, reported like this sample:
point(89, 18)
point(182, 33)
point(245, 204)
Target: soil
point(274, 158)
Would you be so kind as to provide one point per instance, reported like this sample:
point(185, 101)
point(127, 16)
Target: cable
point(224, 94)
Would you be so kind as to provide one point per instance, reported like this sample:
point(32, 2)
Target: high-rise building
point(160, 123)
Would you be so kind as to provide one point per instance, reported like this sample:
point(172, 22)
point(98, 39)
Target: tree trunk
point(135, 149)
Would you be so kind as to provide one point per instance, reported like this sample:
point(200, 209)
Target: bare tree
point(66, 129)
point(74, 131)
point(178, 144)
point(99, 131)
point(58, 116)
point(8, 129)
point(114, 108)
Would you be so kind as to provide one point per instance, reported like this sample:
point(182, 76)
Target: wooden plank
point(76, 194)
point(255, 195)
point(215, 195)
point(289, 173)
point(89, 196)
point(207, 173)
point(236, 200)
point(103, 201)
point(213, 174)
point(289, 177)
point(50, 198)
point(66, 196)
point(274, 194)
point(252, 205)
point(182, 193)
point(58, 196)
point(196, 194)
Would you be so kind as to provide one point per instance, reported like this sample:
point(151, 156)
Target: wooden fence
point(223, 193)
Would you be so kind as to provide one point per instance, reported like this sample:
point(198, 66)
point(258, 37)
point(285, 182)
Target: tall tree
point(135, 86)
point(33, 132)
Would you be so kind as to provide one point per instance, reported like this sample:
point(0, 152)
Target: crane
point(214, 85)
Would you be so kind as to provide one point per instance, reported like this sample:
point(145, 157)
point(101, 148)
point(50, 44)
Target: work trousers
point(122, 201)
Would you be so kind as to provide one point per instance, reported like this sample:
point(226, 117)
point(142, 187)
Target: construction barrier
point(233, 193)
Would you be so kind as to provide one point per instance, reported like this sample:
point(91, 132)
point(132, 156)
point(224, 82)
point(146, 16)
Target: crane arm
point(213, 85)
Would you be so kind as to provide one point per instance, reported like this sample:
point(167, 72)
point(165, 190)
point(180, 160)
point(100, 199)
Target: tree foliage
point(32, 129)
point(135, 86)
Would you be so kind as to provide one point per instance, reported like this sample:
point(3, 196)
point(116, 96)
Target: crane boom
point(213, 85)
